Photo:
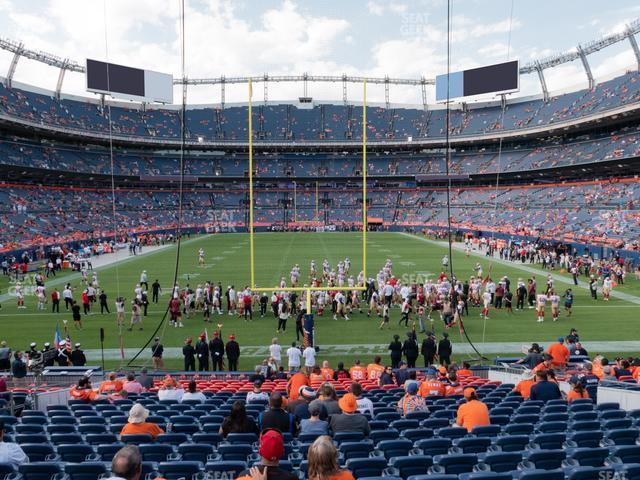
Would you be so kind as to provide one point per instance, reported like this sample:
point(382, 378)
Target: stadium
point(206, 268)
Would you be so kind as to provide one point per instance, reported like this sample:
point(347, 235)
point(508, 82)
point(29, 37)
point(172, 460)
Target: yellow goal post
point(309, 289)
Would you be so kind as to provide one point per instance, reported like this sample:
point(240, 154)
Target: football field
point(415, 259)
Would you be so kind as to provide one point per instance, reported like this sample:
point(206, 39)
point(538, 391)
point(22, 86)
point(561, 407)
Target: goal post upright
point(364, 178)
point(251, 252)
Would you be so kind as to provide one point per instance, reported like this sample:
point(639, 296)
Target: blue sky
point(404, 38)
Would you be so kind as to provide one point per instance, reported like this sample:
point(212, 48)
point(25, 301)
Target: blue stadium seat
point(38, 452)
point(555, 417)
point(591, 473)
point(40, 470)
point(407, 466)
point(434, 423)
point(414, 434)
point(348, 437)
point(433, 477)
point(85, 470)
point(242, 438)
point(585, 438)
point(404, 424)
point(485, 476)
point(545, 459)
point(8, 470)
point(394, 448)
point(576, 407)
point(525, 419)
point(470, 445)
point(608, 406)
point(548, 441)
point(355, 449)
point(76, 453)
point(586, 457)
point(629, 471)
point(486, 431)
point(499, 419)
point(36, 420)
point(208, 438)
point(237, 452)
point(172, 438)
point(586, 425)
point(624, 454)
point(538, 474)
point(366, 467)
point(390, 434)
point(617, 424)
point(611, 414)
point(434, 446)
point(378, 424)
point(500, 461)
point(29, 428)
point(65, 438)
point(108, 450)
point(453, 464)
point(628, 436)
point(63, 420)
point(197, 452)
point(452, 432)
point(528, 410)
point(552, 427)
point(136, 439)
point(179, 470)
point(417, 416)
point(519, 429)
point(584, 416)
point(225, 468)
point(388, 416)
point(511, 443)
point(311, 437)
point(156, 452)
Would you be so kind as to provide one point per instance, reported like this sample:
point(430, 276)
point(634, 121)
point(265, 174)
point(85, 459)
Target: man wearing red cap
point(233, 353)
point(271, 451)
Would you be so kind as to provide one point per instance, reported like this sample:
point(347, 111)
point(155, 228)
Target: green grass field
point(227, 261)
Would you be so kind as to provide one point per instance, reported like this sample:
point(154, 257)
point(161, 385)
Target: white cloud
point(375, 8)
point(493, 50)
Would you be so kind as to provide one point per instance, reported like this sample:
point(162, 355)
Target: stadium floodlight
point(307, 289)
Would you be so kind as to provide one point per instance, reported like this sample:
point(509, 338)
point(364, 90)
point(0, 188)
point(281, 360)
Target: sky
point(404, 38)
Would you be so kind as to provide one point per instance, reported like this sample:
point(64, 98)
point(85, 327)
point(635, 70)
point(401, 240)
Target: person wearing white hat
point(77, 357)
point(137, 423)
point(63, 357)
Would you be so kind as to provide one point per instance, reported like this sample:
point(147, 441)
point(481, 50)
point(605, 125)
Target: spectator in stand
point(524, 386)
point(271, 450)
point(322, 459)
point(257, 395)
point(431, 386)
point(365, 405)
point(545, 365)
point(132, 386)
point(559, 354)
point(411, 402)
point(193, 394)
point(328, 398)
point(349, 420)
point(622, 370)
point(580, 350)
point(386, 378)
point(276, 417)
point(11, 453)
point(238, 421)
point(295, 382)
point(3, 385)
point(473, 413)
point(127, 464)
point(544, 389)
point(375, 369)
point(145, 380)
point(300, 407)
point(358, 372)
point(533, 358)
point(83, 391)
point(465, 371)
point(341, 373)
point(326, 371)
point(170, 390)
point(137, 423)
point(313, 424)
point(111, 385)
point(577, 391)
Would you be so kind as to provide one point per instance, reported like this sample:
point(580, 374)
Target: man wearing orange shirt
point(374, 370)
point(546, 364)
point(559, 354)
point(326, 371)
point(300, 379)
point(358, 372)
point(112, 385)
point(431, 387)
point(473, 413)
point(524, 386)
point(137, 423)
point(454, 387)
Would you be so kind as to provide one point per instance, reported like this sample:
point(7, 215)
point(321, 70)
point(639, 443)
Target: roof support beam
point(14, 64)
point(587, 67)
point(543, 82)
point(634, 46)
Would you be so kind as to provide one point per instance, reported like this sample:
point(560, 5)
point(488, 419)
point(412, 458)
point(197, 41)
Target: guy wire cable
point(447, 160)
point(113, 183)
point(163, 323)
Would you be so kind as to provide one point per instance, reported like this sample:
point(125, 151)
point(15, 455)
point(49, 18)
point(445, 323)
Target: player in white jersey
point(347, 265)
point(312, 269)
point(486, 302)
point(361, 279)
point(340, 306)
point(138, 292)
point(199, 299)
point(321, 301)
point(201, 257)
point(341, 268)
point(294, 275)
point(176, 291)
point(607, 285)
point(374, 304)
point(216, 301)
point(340, 279)
point(541, 300)
point(119, 312)
point(554, 298)
point(94, 279)
point(467, 247)
point(19, 295)
point(40, 294)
